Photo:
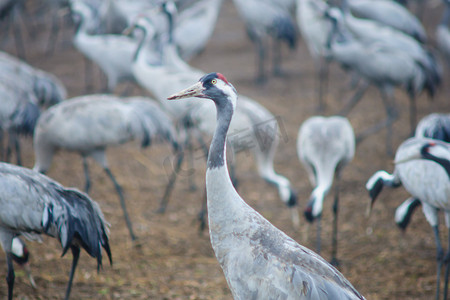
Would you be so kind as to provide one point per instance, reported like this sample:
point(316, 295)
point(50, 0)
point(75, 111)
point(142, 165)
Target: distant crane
point(383, 65)
point(259, 261)
point(253, 127)
point(113, 53)
point(32, 204)
point(390, 13)
point(89, 124)
point(324, 146)
point(265, 19)
point(424, 180)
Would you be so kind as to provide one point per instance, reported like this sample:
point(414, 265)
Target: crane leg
point(334, 260)
point(447, 267)
point(170, 185)
point(122, 203)
point(439, 257)
point(276, 63)
point(76, 256)
point(10, 276)
point(18, 37)
point(87, 185)
point(323, 84)
point(202, 214)
point(412, 115)
point(53, 34)
point(318, 240)
point(260, 77)
point(354, 100)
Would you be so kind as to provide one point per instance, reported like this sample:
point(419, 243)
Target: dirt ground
point(173, 260)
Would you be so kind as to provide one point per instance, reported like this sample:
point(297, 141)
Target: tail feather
point(80, 222)
point(285, 29)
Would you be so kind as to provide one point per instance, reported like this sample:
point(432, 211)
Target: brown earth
point(173, 260)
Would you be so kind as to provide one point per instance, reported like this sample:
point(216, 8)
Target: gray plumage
point(442, 34)
point(426, 181)
point(89, 124)
point(392, 14)
point(259, 261)
point(325, 145)
point(33, 204)
point(435, 126)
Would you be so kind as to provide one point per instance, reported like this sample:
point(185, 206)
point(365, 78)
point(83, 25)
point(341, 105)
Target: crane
point(253, 127)
point(264, 19)
point(382, 65)
point(259, 260)
point(113, 53)
point(390, 13)
point(426, 181)
point(324, 146)
point(315, 29)
point(91, 123)
point(32, 204)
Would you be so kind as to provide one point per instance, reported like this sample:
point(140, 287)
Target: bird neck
point(445, 163)
point(217, 150)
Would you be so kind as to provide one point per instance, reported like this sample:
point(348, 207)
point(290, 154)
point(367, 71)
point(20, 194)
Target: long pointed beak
point(194, 91)
point(127, 31)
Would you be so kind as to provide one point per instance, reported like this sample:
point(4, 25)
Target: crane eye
point(214, 81)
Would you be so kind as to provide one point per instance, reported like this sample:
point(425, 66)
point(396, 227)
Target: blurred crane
point(315, 29)
point(264, 19)
point(384, 66)
point(253, 127)
point(32, 204)
point(89, 124)
point(113, 53)
point(389, 13)
point(426, 181)
point(435, 126)
point(325, 146)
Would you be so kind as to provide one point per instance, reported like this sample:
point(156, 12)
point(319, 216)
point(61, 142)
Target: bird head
point(212, 86)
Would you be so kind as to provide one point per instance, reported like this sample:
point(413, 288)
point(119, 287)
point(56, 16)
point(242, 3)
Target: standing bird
point(32, 204)
point(389, 13)
point(89, 124)
point(263, 19)
point(325, 146)
point(426, 181)
point(259, 260)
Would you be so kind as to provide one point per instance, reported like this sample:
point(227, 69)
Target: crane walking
point(325, 146)
point(259, 260)
point(32, 204)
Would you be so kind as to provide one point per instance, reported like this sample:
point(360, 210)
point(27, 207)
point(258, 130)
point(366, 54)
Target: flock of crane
point(379, 42)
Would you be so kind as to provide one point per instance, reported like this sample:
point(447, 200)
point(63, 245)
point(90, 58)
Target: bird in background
point(325, 145)
point(90, 124)
point(385, 63)
point(32, 204)
point(435, 126)
point(427, 181)
point(259, 261)
point(266, 19)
